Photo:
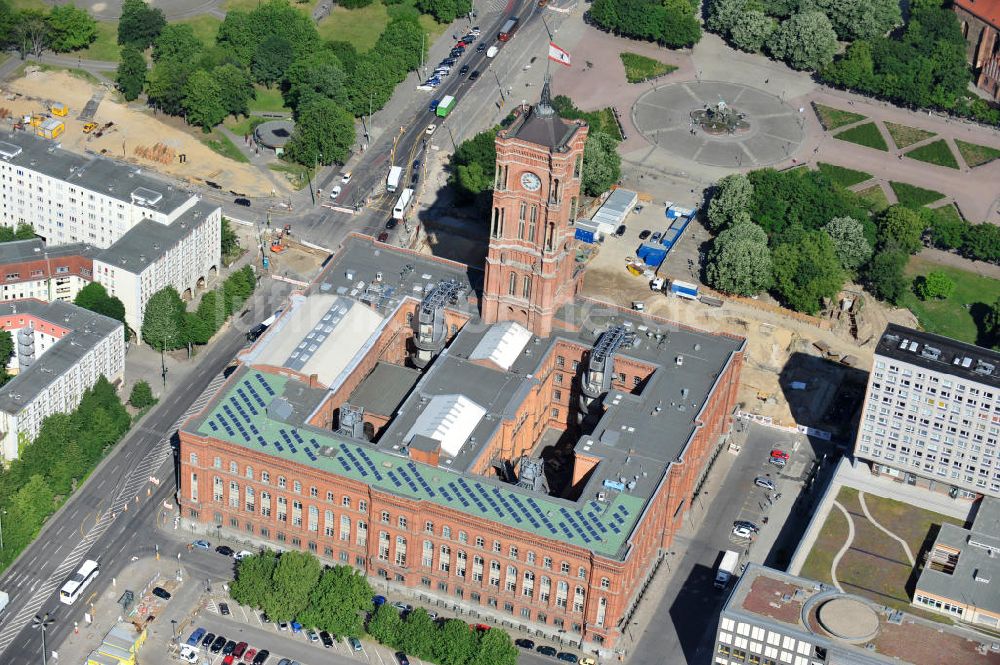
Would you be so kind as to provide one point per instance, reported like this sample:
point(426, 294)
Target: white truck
point(4, 599)
point(403, 204)
point(726, 569)
point(392, 182)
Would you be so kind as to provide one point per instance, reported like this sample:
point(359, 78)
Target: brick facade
point(980, 21)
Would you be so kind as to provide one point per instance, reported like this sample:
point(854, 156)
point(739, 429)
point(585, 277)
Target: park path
point(846, 546)
point(906, 547)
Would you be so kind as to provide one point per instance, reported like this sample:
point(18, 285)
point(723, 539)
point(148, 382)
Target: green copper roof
point(240, 416)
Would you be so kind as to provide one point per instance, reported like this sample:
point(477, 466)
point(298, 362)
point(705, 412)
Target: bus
point(80, 581)
point(403, 204)
point(509, 28)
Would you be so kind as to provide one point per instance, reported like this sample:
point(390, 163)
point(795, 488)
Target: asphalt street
point(95, 523)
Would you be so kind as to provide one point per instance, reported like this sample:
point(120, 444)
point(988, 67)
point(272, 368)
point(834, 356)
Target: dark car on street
point(224, 609)
point(645, 233)
point(474, 75)
point(546, 650)
point(524, 643)
point(620, 231)
point(261, 657)
point(160, 592)
point(383, 237)
point(242, 202)
point(225, 550)
point(390, 224)
point(568, 657)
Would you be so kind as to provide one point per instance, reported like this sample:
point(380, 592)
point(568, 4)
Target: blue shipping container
point(670, 236)
point(584, 235)
point(651, 255)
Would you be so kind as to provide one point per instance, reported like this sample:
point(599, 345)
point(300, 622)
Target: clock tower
point(531, 264)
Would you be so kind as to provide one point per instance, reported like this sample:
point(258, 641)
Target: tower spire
point(544, 107)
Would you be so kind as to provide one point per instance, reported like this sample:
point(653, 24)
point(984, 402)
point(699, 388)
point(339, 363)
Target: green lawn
point(903, 135)
point(950, 211)
point(908, 522)
point(912, 196)
point(829, 541)
point(843, 176)
point(79, 73)
point(867, 135)
point(29, 4)
point(975, 154)
point(205, 27)
point(296, 174)
point(875, 198)
point(243, 125)
point(959, 315)
point(360, 27)
point(105, 47)
point(832, 118)
point(639, 68)
point(268, 100)
point(937, 153)
point(222, 145)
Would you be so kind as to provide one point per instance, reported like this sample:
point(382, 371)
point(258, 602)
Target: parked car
point(229, 647)
point(378, 600)
point(224, 609)
point(777, 461)
point(475, 30)
point(430, 129)
point(779, 454)
point(403, 607)
point(202, 544)
point(189, 654)
point(346, 178)
point(240, 649)
point(525, 643)
point(335, 192)
point(588, 661)
point(546, 650)
point(224, 550)
point(242, 554)
point(449, 61)
point(766, 483)
point(474, 75)
point(326, 638)
point(355, 643)
point(745, 523)
point(464, 70)
point(240, 201)
point(482, 47)
point(383, 237)
point(229, 660)
point(160, 592)
point(312, 635)
point(217, 645)
point(433, 105)
point(264, 618)
point(645, 233)
point(196, 637)
point(285, 661)
point(282, 625)
point(296, 627)
point(261, 657)
point(742, 532)
point(655, 237)
point(250, 654)
point(402, 659)
point(390, 224)
point(620, 231)
point(568, 657)
point(209, 638)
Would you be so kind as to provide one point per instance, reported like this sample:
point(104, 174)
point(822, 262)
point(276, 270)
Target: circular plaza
point(719, 124)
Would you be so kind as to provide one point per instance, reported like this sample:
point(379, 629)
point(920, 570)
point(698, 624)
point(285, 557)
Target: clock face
point(530, 181)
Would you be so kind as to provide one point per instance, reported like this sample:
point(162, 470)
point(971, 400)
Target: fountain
point(719, 119)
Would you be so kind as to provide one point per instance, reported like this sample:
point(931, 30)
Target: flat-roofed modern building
point(962, 570)
point(772, 618)
point(931, 414)
point(61, 351)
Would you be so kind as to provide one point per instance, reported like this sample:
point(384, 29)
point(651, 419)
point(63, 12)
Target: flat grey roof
point(93, 172)
point(385, 388)
point(147, 241)
point(940, 354)
point(979, 557)
point(18, 251)
point(87, 328)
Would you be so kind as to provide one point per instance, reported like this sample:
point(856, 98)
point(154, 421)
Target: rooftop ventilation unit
point(146, 197)
point(9, 150)
point(984, 368)
point(931, 353)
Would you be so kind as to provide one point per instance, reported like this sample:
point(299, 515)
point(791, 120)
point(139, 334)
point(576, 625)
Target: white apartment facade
point(183, 254)
point(30, 269)
point(71, 198)
point(931, 415)
point(61, 351)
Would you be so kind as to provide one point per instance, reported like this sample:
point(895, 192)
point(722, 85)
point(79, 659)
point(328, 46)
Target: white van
point(492, 51)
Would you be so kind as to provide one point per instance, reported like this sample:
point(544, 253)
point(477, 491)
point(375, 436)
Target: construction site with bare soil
point(85, 117)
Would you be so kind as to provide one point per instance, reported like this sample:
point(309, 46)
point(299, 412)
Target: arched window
point(512, 286)
point(526, 286)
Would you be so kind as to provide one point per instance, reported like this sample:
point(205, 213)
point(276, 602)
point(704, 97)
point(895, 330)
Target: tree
point(849, 241)
point(236, 88)
point(386, 625)
point(8, 19)
point(732, 195)
point(203, 100)
point(722, 15)
point(455, 643)
point(473, 165)
point(805, 41)
point(70, 28)
point(252, 585)
point(419, 634)
point(807, 271)
point(982, 243)
point(935, 284)
point(141, 395)
point(140, 24)
point(177, 42)
point(271, 59)
point(337, 600)
point(315, 74)
point(602, 165)
point(163, 320)
point(861, 19)
point(237, 35)
point(445, 11)
point(97, 299)
point(31, 32)
point(884, 275)
point(324, 133)
point(401, 43)
point(230, 242)
point(166, 84)
point(752, 30)
point(293, 579)
point(679, 27)
point(6, 353)
point(900, 227)
point(131, 76)
point(740, 261)
point(991, 322)
point(20, 232)
point(495, 648)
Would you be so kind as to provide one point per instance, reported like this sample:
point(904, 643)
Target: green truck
point(445, 107)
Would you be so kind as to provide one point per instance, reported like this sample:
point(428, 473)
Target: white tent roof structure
point(449, 420)
point(502, 344)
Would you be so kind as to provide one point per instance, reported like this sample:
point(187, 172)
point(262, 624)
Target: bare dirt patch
point(134, 129)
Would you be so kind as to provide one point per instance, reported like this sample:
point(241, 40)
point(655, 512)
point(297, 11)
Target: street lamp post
point(42, 623)
point(2, 513)
point(173, 626)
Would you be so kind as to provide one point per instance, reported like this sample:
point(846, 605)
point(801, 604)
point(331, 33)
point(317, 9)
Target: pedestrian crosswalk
point(131, 488)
